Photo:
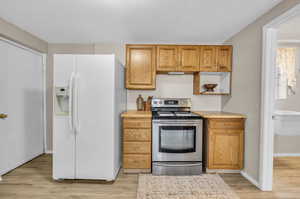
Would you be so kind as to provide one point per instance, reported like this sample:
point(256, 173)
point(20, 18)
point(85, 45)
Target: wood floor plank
point(34, 181)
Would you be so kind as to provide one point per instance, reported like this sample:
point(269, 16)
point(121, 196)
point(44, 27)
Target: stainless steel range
point(177, 136)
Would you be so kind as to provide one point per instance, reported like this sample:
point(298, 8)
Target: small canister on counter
point(148, 103)
point(140, 103)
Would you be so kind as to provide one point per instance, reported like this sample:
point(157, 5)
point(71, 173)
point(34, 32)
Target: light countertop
point(204, 114)
point(218, 114)
point(137, 114)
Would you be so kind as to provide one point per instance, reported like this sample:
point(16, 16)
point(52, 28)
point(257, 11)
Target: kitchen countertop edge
point(219, 115)
point(204, 114)
point(136, 114)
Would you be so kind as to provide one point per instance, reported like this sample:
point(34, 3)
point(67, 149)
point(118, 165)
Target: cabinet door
point(208, 59)
point(140, 67)
point(189, 58)
point(167, 58)
point(225, 149)
point(224, 58)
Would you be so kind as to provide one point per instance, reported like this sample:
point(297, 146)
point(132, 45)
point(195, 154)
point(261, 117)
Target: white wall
point(176, 86)
point(286, 144)
point(246, 84)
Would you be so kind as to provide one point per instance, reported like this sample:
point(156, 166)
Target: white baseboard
point(28, 159)
point(286, 154)
point(48, 152)
point(222, 171)
point(250, 179)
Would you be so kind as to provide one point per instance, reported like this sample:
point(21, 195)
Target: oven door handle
point(178, 165)
point(178, 122)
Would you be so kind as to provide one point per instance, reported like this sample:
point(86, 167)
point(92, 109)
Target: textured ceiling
point(169, 21)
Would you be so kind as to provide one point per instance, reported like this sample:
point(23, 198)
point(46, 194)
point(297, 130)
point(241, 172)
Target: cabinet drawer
point(137, 123)
point(137, 147)
point(137, 135)
point(226, 123)
point(137, 161)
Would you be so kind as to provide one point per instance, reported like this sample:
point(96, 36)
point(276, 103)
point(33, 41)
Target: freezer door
point(63, 136)
point(94, 116)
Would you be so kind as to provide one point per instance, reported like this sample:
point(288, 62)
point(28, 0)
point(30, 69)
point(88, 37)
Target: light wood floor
point(33, 181)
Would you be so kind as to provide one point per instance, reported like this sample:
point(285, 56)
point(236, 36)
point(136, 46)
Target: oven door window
point(177, 139)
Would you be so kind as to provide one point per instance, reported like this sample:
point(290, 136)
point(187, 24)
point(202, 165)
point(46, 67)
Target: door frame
point(44, 65)
point(270, 31)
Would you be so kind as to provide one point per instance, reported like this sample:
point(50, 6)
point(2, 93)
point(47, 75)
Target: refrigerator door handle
point(76, 116)
point(71, 102)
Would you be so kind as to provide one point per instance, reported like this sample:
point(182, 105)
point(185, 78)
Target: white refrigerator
point(89, 96)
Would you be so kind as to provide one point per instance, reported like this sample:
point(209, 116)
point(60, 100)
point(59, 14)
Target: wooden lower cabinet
point(137, 135)
point(225, 144)
point(136, 123)
point(137, 145)
point(226, 124)
point(137, 161)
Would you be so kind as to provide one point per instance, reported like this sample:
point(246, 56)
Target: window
point(286, 72)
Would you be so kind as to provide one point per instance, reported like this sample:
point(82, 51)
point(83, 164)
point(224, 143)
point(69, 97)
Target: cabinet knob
point(3, 116)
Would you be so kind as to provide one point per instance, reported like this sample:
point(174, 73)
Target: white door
point(21, 90)
point(94, 134)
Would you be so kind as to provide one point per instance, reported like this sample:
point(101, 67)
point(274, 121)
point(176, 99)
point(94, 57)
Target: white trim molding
point(48, 152)
point(222, 171)
point(289, 41)
point(250, 179)
point(286, 154)
point(267, 97)
point(267, 109)
point(45, 101)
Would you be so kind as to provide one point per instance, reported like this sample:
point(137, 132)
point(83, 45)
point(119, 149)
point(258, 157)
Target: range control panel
point(171, 102)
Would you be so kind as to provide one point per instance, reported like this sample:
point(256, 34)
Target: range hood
point(175, 73)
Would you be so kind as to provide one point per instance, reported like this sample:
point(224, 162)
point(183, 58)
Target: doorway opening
point(280, 84)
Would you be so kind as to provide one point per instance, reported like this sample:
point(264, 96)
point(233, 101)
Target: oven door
point(177, 140)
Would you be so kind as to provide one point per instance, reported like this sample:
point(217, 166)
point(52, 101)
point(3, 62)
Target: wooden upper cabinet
point(140, 67)
point(144, 61)
point(188, 58)
point(167, 58)
point(224, 58)
point(208, 62)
